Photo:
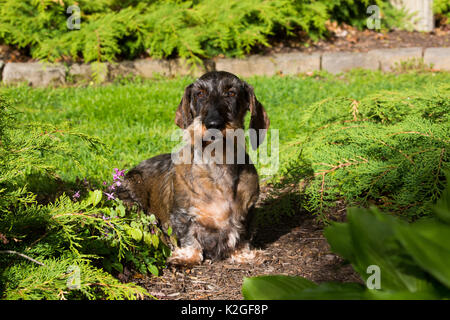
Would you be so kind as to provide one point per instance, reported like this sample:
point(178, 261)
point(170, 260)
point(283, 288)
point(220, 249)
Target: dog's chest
point(207, 193)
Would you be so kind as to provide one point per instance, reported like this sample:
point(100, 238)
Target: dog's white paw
point(186, 256)
point(244, 255)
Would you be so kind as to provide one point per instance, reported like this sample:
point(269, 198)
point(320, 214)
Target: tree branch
point(23, 256)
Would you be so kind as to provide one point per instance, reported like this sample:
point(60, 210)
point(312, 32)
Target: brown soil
point(292, 246)
point(10, 54)
point(347, 38)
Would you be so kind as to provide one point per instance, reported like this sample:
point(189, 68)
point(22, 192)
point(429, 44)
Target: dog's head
point(220, 100)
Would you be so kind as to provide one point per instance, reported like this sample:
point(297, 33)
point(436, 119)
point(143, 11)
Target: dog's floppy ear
point(183, 116)
point(258, 120)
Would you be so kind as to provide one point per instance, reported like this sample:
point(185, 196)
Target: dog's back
point(150, 186)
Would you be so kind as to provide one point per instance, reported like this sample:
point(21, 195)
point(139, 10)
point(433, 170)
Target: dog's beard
point(213, 146)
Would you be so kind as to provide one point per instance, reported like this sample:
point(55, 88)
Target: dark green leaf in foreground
point(428, 243)
point(442, 207)
point(297, 288)
point(342, 240)
point(274, 287)
point(374, 243)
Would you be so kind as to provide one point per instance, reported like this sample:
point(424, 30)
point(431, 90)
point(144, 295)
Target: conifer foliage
point(390, 149)
point(54, 250)
point(112, 29)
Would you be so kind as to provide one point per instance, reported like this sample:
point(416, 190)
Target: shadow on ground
point(274, 217)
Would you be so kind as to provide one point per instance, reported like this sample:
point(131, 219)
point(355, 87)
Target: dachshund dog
point(206, 203)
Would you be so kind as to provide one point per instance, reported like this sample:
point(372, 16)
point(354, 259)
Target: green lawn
point(136, 119)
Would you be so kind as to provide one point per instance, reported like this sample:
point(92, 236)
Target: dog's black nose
point(214, 124)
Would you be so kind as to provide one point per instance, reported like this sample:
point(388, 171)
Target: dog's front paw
point(244, 255)
point(187, 256)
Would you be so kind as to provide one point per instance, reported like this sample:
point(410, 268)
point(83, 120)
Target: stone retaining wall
point(39, 74)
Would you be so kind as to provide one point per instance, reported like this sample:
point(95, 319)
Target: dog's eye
point(231, 93)
point(201, 94)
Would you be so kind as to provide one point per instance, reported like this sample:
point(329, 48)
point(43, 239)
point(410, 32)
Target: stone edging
point(39, 74)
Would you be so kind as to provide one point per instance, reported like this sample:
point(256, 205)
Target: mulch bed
point(346, 38)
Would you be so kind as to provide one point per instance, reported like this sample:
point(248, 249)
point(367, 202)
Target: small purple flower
point(76, 195)
point(119, 173)
point(106, 234)
point(110, 195)
point(117, 181)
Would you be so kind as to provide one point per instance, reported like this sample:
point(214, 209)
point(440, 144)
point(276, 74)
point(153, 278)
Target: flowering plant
point(148, 248)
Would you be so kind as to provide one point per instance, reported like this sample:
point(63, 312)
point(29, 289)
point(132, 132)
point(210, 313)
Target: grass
point(136, 119)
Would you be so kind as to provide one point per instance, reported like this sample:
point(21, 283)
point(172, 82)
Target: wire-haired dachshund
point(205, 202)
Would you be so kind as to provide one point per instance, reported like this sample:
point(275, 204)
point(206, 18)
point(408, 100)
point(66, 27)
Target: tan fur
point(186, 256)
point(245, 255)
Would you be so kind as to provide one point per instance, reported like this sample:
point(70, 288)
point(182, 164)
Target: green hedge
point(390, 149)
point(112, 29)
point(442, 7)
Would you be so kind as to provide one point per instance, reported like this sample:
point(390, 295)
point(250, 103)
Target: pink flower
point(76, 195)
point(117, 181)
point(119, 173)
point(110, 195)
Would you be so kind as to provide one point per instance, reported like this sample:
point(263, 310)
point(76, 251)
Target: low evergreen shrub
point(111, 29)
point(390, 149)
point(60, 249)
point(441, 7)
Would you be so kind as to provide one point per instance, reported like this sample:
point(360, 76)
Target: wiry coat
point(205, 203)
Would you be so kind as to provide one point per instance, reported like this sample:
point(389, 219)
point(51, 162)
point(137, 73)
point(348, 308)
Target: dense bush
point(441, 7)
point(412, 259)
point(390, 149)
point(112, 29)
point(46, 245)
